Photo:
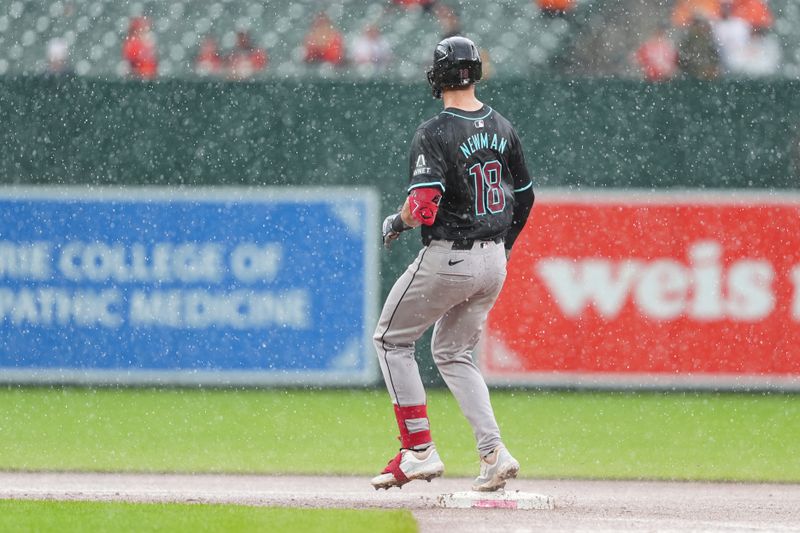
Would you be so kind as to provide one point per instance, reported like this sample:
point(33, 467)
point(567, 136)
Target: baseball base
point(495, 500)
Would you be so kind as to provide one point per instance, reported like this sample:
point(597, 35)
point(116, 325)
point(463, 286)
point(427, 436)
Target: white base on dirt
point(495, 500)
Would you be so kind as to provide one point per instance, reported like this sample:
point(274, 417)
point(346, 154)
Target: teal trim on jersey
point(525, 188)
point(468, 118)
point(428, 184)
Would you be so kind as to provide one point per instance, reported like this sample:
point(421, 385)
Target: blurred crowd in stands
point(324, 44)
point(703, 39)
point(709, 39)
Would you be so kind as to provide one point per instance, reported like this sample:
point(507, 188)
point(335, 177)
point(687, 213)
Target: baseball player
point(471, 192)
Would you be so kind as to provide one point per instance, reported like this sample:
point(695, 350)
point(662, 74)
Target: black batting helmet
point(456, 63)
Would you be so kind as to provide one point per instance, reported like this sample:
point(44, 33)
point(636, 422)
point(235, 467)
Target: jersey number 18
point(488, 191)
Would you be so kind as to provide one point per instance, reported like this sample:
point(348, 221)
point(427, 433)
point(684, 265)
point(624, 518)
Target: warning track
point(579, 505)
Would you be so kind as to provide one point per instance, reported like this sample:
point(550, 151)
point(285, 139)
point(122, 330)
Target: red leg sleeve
point(412, 412)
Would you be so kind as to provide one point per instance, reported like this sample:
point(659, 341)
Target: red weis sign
point(644, 289)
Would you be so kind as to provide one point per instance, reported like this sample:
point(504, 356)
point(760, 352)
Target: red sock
point(417, 417)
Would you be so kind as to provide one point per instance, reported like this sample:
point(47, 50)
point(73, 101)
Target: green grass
point(704, 436)
point(69, 517)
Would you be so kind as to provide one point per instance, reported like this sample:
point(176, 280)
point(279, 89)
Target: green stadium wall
point(577, 134)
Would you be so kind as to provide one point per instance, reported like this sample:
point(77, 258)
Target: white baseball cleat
point(409, 465)
point(496, 468)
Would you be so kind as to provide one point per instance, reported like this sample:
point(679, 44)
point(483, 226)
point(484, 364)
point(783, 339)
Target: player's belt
point(467, 244)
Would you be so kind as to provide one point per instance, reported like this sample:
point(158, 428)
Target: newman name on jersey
point(481, 140)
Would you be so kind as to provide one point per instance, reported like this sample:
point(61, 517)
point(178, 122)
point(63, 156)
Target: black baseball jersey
point(475, 158)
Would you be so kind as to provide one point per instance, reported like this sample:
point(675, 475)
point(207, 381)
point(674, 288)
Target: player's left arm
point(523, 193)
point(426, 186)
point(426, 178)
point(420, 207)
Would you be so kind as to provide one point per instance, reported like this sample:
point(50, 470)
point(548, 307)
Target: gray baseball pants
point(453, 289)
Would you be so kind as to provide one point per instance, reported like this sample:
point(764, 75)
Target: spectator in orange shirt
point(324, 43)
point(755, 12)
point(246, 59)
point(208, 61)
point(658, 57)
point(555, 8)
point(686, 10)
point(139, 49)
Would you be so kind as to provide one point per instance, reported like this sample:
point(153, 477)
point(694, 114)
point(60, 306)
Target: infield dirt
point(579, 505)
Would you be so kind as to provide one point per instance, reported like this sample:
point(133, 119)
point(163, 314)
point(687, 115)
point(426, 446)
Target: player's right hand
point(389, 235)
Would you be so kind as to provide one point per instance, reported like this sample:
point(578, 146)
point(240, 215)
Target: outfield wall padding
point(577, 134)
